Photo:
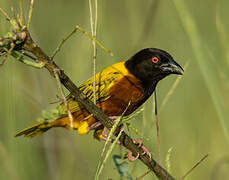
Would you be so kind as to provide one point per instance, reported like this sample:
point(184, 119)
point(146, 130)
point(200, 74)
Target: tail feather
point(35, 130)
point(82, 120)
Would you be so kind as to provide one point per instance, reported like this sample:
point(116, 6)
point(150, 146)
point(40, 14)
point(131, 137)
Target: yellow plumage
point(104, 81)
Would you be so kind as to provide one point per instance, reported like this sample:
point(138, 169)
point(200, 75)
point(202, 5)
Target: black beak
point(172, 67)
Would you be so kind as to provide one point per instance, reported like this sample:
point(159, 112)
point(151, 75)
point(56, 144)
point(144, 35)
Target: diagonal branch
point(30, 46)
point(24, 42)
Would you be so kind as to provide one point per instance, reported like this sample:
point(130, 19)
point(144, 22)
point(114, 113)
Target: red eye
point(155, 60)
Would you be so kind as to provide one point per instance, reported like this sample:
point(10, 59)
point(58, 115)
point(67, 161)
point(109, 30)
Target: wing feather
point(104, 81)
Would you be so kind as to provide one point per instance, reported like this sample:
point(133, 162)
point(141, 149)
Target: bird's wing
point(104, 81)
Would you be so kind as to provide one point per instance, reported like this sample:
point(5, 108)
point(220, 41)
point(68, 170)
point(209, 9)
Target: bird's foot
point(94, 125)
point(138, 141)
point(104, 137)
point(97, 123)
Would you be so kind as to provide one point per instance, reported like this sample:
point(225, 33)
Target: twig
point(5, 14)
point(15, 21)
point(30, 13)
point(91, 17)
point(157, 128)
point(7, 54)
point(84, 32)
point(29, 56)
point(93, 39)
point(58, 100)
point(94, 52)
point(22, 59)
point(22, 12)
point(96, 16)
point(197, 164)
point(61, 43)
point(93, 32)
point(64, 98)
point(142, 176)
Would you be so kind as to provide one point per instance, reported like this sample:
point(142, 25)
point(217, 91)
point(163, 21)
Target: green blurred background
point(193, 122)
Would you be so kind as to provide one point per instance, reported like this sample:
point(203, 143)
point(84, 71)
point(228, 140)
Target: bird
point(120, 89)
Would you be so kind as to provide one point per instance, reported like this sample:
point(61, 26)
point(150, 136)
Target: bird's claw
point(94, 125)
point(131, 158)
point(138, 141)
point(97, 123)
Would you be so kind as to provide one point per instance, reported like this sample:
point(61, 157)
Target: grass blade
point(108, 154)
point(99, 167)
point(207, 68)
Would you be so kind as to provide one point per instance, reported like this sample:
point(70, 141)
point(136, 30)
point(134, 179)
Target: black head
point(151, 65)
